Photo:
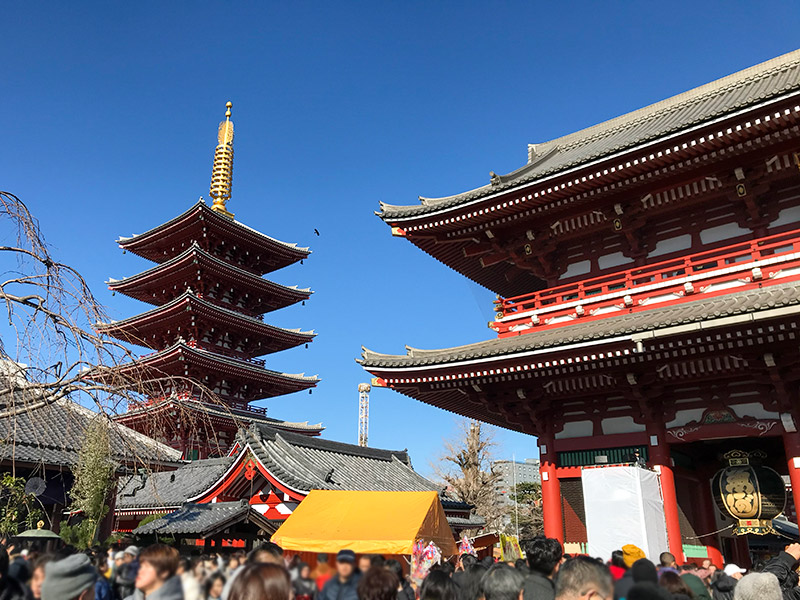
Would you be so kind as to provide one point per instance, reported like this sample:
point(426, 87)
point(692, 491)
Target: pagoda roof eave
point(689, 316)
point(126, 329)
point(159, 362)
point(165, 270)
point(138, 243)
point(301, 427)
point(761, 83)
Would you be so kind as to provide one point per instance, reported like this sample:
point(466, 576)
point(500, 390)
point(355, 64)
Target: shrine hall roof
point(50, 432)
point(205, 520)
point(305, 463)
point(170, 489)
point(685, 313)
point(740, 90)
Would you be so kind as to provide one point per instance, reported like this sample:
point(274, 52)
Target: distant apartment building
point(511, 471)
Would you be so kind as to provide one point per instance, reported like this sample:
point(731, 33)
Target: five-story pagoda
point(207, 328)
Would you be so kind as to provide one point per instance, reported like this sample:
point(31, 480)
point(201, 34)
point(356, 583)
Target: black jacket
point(722, 587)
point(623, 585)
point(407, 593)
point(336, 590)
point(538, 587)
point(11, 589)
point(782, 566)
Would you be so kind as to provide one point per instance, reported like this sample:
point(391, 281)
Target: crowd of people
point(158, 572)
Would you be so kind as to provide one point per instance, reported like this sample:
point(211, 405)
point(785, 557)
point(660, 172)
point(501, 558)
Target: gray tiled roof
point(304, 463)
point(473, 522)
point(170, 489)
point(51, 433)
point(751, 86)
point(205, 519)
point(694, 311)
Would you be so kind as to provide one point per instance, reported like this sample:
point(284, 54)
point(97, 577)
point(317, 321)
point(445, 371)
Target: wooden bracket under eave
point(398, 232)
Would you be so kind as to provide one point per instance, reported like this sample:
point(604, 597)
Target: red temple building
point(648, 279)
point(210, 297)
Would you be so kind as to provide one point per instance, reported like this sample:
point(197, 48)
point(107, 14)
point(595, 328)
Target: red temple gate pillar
point(551, 493)
point(708, 521)
point(791, 443)
point(660, 459)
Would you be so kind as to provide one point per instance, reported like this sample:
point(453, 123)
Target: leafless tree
point(466, 469)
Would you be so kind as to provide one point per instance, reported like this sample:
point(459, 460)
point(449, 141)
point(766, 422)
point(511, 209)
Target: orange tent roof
point(366, 523)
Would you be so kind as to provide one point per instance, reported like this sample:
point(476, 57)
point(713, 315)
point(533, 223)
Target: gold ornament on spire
point(222, 172)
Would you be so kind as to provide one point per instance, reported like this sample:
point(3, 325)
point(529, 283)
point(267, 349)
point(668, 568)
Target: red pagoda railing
point(747, 262)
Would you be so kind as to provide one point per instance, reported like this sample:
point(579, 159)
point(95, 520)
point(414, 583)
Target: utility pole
point(363, 413)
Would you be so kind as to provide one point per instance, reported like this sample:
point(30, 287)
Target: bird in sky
point(316, 231)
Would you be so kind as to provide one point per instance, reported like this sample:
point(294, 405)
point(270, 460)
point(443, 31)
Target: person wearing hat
point(723, 586)
point(125, 578)
point(71, 578)
point(784, 566)
point(344, 586)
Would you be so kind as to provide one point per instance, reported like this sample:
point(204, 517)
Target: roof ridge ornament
point(222, 171)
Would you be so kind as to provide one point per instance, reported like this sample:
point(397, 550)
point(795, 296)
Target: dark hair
point(468, 560)
point(376, 560)
point(322, 558)
point(447, 567)
point(210, 582)
point(261, 581)
point(617, 559)
point(377, 584)
point(579, 575)
point(674, 584)
point(438, 585)
point(502, 582)
point(4, 560)
point(544, 554)
point(470, 584)
point(185, 564)
point(667, 559)
point(396, 567)
point(648, 590)
point(164, 559)
point(274, 551)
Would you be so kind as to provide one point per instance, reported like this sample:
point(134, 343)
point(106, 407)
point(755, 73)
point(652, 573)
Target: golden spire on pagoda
point(222, 172)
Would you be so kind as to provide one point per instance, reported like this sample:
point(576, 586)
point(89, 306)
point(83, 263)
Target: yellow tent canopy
point(366, 523)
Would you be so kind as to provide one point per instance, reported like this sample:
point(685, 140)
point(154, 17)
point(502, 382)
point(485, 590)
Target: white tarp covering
point(623, 506)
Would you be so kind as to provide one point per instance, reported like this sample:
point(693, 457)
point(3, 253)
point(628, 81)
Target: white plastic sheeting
point(623, 506)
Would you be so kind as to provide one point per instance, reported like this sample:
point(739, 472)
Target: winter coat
point(722, 587)
point(171, 590)
point(623, 585)
point(696, 585)
point(102, 589)
point(11, 589)
point(125, 579)
point(407, 592)
point(336, 590)
point(538, 587)
point(782, 566)
point(305, 588)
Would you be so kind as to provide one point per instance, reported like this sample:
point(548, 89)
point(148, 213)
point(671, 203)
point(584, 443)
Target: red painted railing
point(748, 262)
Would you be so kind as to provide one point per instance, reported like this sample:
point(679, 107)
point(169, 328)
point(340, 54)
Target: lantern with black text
point(749, 492)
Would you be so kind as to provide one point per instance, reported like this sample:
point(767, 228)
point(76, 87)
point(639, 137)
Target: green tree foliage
point(94, 478)
point(525, 511)
point(16, 506)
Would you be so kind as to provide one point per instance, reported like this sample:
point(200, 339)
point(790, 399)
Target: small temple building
point(207, 329)
point(647, 273)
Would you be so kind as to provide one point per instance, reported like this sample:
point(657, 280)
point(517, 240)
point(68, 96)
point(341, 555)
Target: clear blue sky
point(110, 115)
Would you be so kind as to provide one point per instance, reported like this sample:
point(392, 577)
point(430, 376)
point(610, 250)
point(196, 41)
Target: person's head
point(617, 560)
point(376, 560)
point(233, 562)
point(304, 570)
point(157, 563)
point(706, 563)
point(502, 582)
point(184, 566)
point(644, 571)
point(378, 584)
point(38, 575)
point(735, 571)
point(268, 552)
point(583, 578)
point(631, 553)
point(438, 585)
point(648, 590)
point(262, 581)
point(467, 560)
point(544, 555)
point(758, 586)
point(345, 563)
point(667, 559)
point(364, 563)
point(448, 568)
point(471, 583)
point(674, 583)
point(131, 553)
point(214, 586)
point(71, 578)
point(396, 567)
point(689, 566)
